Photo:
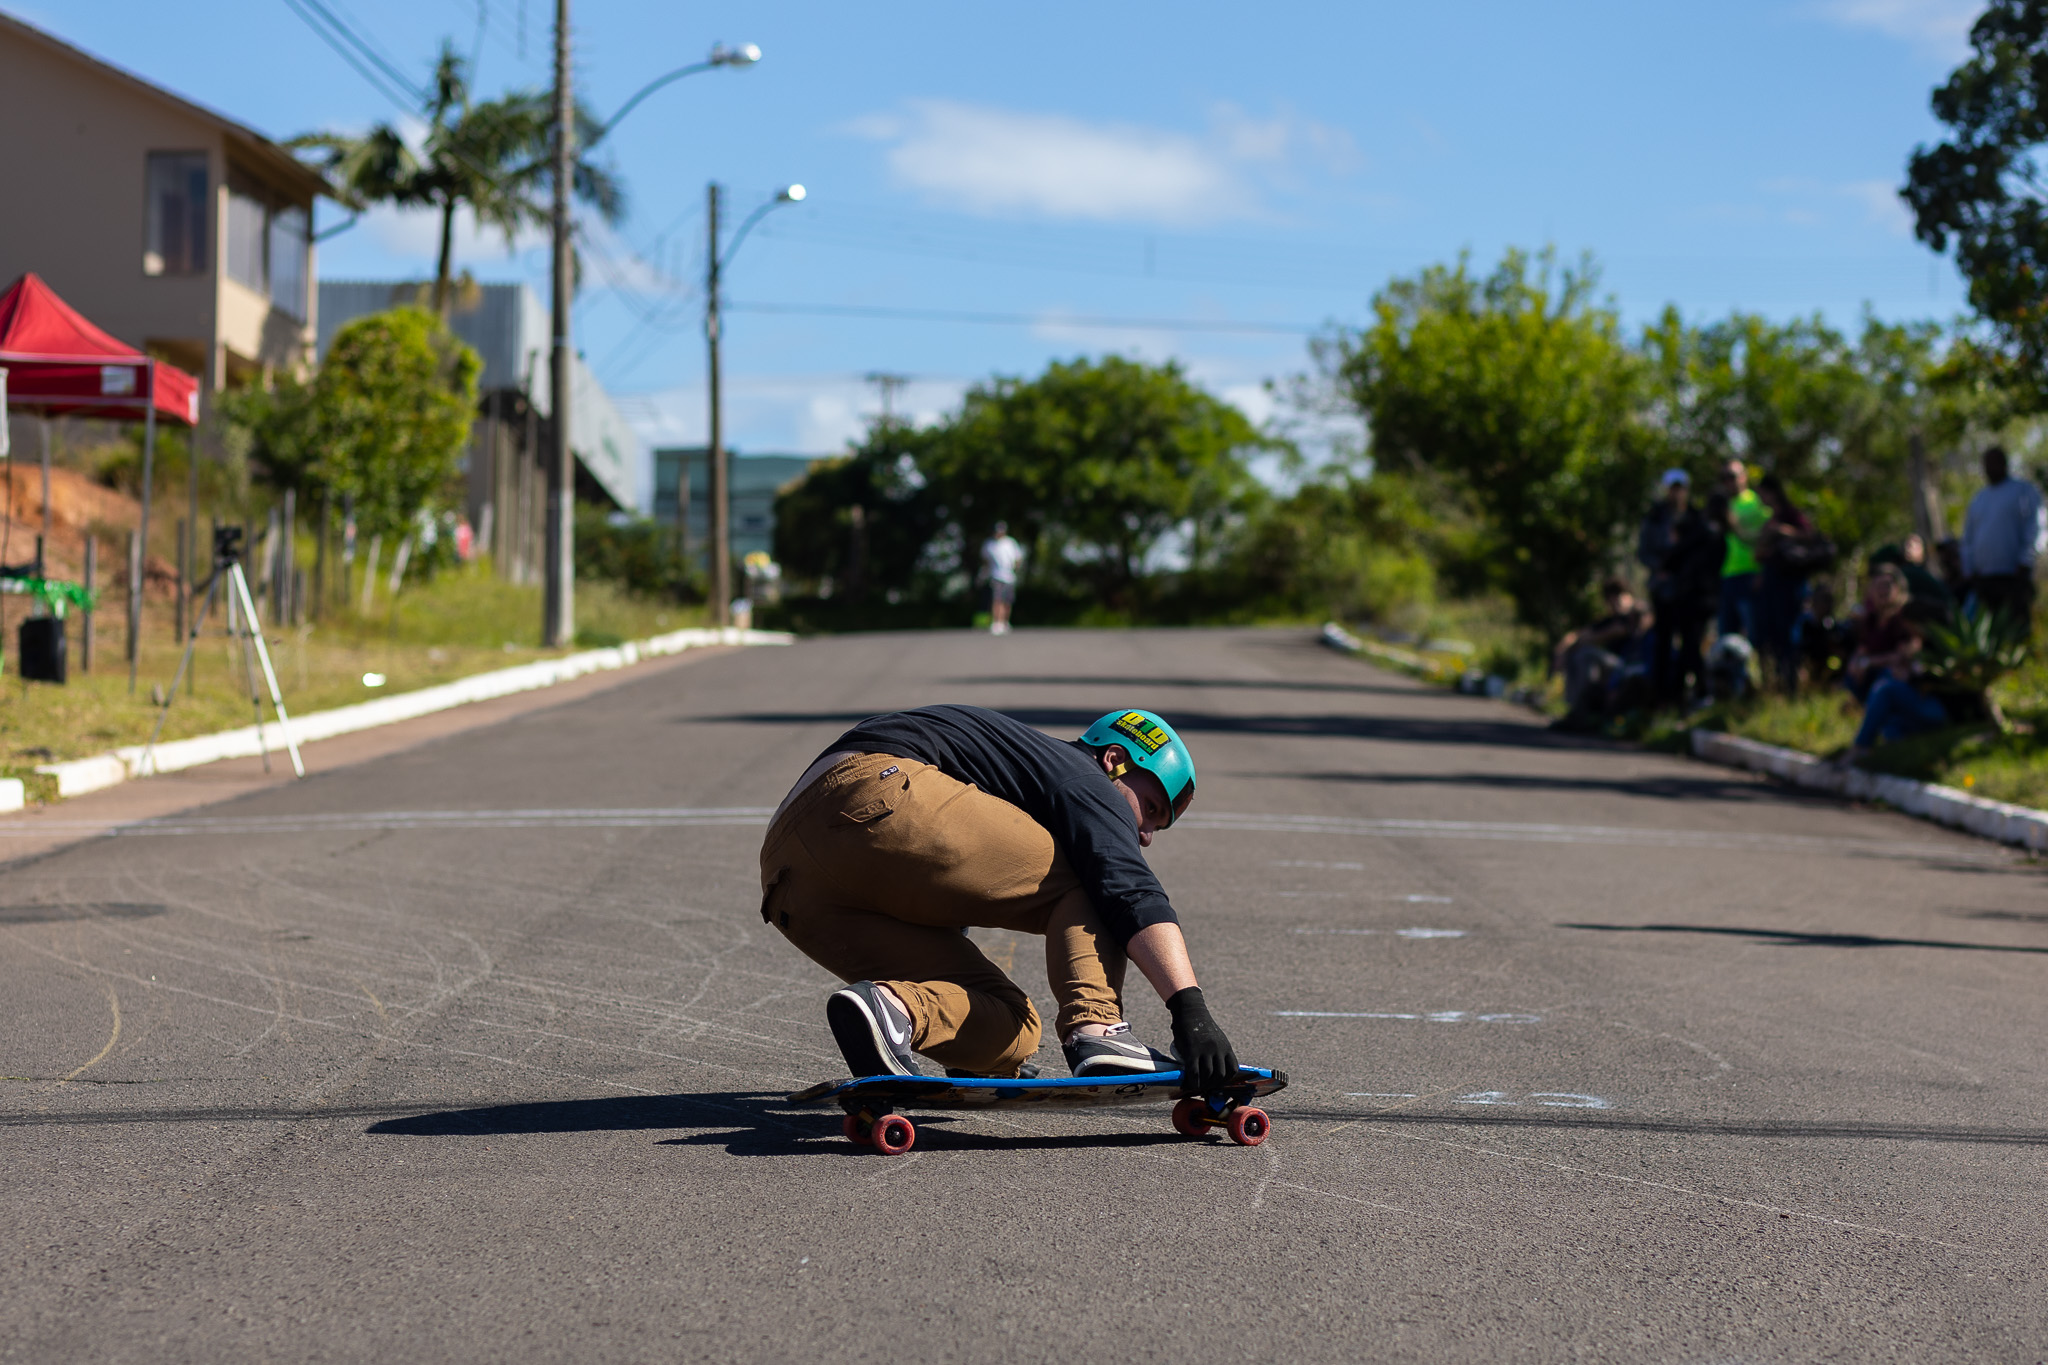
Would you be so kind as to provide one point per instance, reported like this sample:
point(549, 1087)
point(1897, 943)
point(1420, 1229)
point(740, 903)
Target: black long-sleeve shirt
point(1056, 782)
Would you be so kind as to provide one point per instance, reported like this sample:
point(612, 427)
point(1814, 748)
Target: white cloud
point(1940, 28)
point(416, 233)
point(1002, 161)
point(1817, 203)
point(1881, 204)
point(805, 414)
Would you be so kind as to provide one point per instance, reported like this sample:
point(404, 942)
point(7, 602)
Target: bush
point(639, 555)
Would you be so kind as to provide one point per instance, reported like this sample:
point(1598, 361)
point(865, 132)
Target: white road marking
point(1432, 1016)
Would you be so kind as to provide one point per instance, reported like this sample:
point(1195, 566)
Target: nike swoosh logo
point(889, 1026)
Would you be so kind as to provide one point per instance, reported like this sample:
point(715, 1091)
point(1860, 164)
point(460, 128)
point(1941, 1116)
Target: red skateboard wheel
point(1248, 1126)
point(856, 1132)
point(1188, 1117)
point(894, 1135)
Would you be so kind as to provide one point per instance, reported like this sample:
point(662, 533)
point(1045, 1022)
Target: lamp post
point(719, 492)
point(558, 610)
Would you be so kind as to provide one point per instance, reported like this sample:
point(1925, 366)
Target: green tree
point(1094, 464)
point(860, 524)
point(1341, 546)
point(1522, 391)
point(1832, 416)
point(1983, 188)
point(390, 411)
point(493, 157)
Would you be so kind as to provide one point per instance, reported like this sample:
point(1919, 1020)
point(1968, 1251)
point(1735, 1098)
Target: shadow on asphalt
point(58, 914)
point(608, 1114)
point(769, 1126)
point(1419, 730)
point(1239, 684)
point(1663, 788)
point(1759, 1128)
point(1794, 938)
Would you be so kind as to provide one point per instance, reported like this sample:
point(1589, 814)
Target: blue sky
point(1222, 164)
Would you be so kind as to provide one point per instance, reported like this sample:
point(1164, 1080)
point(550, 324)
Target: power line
point(347, 45)
point(850, 310)
point(363, 46)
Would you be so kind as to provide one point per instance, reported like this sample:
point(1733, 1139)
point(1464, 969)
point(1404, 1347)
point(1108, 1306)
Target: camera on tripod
point(227, 546)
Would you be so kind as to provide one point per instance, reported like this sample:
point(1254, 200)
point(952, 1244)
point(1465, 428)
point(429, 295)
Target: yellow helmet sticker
point(1134, 726)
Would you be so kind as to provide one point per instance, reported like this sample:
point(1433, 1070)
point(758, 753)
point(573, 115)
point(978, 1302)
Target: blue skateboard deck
point(871, 1102)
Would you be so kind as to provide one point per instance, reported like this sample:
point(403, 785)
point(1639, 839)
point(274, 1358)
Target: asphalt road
point(476, 1052)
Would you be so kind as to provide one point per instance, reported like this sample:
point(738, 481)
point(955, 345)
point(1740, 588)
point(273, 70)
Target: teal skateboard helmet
point(1153, 746)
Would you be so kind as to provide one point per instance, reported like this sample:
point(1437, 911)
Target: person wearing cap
point(913, 827)
point(1683, 556)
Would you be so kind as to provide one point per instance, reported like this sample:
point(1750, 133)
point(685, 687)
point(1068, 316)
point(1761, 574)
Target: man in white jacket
point(1001, 558)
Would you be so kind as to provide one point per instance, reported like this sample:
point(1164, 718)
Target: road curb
point(2022, 826)
point(78, 776)
point(2000, 820)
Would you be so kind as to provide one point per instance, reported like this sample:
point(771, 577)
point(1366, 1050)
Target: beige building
point(169, 225)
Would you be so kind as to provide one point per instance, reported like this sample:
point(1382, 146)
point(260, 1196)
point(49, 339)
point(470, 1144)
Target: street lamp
point(738, 58)
point(558, 611)
point(721, 498)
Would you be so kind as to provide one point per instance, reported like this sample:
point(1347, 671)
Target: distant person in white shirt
point(2003, 535)
point(1001, 557)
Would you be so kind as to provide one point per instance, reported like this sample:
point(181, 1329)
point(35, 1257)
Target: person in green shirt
point(1747, 516)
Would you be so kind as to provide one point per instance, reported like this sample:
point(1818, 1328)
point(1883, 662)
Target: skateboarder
point(914, 826)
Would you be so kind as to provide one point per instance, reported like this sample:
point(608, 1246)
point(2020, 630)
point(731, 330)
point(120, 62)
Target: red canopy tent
point(59, 363)
point(56, 363)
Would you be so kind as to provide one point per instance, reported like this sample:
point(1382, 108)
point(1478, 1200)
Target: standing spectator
point(1784, 551)
point(1948, 557)
point(1747, 516)
point(1001, 557)
point(2003, 535)
point(1683, 554)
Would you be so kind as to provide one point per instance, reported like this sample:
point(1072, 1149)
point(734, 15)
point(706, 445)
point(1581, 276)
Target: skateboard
point(871, 1103)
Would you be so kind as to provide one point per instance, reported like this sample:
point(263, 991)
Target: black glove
point(1206, 1062)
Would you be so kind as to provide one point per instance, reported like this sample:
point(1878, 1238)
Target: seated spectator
point(1595, 659)
point(1883, 671)
point(1930, 594)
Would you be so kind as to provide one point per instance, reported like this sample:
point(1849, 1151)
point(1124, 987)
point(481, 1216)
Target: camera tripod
point(227, 571)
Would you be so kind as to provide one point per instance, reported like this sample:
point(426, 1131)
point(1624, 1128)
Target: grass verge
point(462, 622)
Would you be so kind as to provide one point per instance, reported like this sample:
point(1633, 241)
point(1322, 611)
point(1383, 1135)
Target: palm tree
point(493, 156)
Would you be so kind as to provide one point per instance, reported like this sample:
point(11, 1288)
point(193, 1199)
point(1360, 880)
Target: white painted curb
point(105, 770)
point(1336, 637)
point(2009, 824)
point(13, 793)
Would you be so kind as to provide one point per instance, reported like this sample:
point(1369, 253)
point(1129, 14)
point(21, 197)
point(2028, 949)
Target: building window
point(289, 248)
point(248, 219)
point(178, 218)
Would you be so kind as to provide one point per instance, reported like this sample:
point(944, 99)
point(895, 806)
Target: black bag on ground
point(42, 649)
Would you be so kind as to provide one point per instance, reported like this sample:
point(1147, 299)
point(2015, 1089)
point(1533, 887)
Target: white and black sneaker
point(872, 1033)
point(1115, 1053)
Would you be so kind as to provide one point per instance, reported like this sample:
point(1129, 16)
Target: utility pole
point(558, 623)
point(889, 384)
point(721, 501)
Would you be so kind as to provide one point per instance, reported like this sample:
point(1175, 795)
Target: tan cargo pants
point(875, 869)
